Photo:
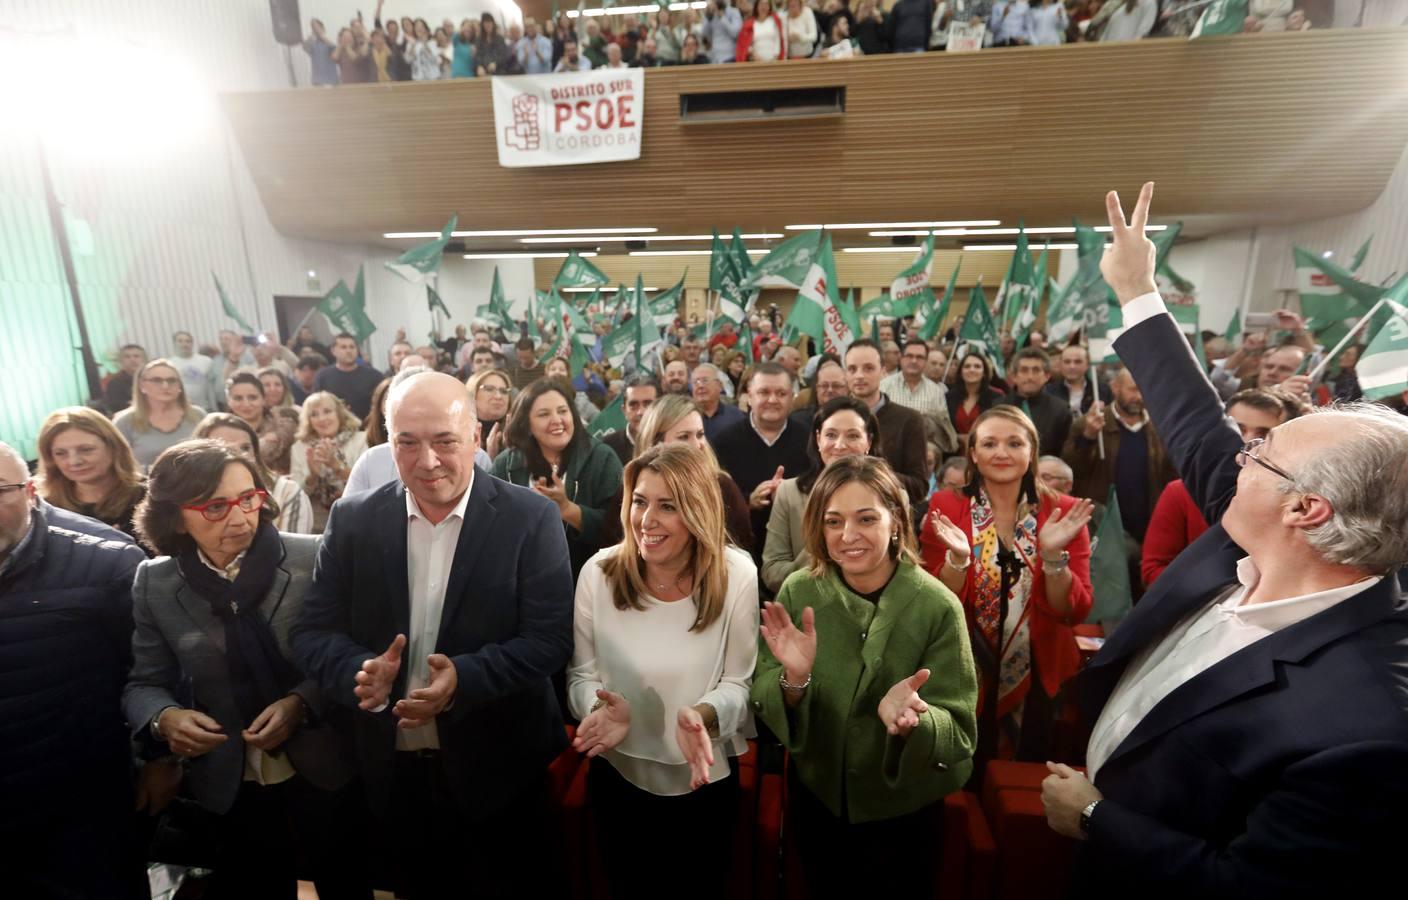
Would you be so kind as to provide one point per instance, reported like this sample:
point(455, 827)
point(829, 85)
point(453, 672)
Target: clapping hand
point(695, 744)
point(1128, 264)
point(422, 705)
point(378, 675)
point(494, 442)
point(951, 536)
point(795, 649)
point(1061, 528)
point(605, 727)
point(552, 488)
point(902, 706)
point(275, 724)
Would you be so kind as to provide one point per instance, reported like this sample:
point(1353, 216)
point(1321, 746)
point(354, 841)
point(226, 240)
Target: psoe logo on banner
point(569, 118)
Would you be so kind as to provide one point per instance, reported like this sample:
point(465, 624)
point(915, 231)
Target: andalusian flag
point(789, 261)
point(496, 311)
point(934, 318)
point(1331, 298)
point(1109, 567)
point(819, 311)
point(1221, 17)
point(910, 290)
point(567, 346)
point(345, 309)
point(726, 281)
point(423, 260)
point(578, 272)
point(1234, 328)
point(980, 331)
point(433, 301)
point(610, 420)
point(1015, 292)
point(665, 306)
point(647, 333)
point(1383, 367)
point(1063, 313)
point(229, 307)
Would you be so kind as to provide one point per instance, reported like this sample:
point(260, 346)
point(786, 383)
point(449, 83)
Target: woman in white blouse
point(1049, 22)
point(801, 30)
point(763, 37)
point(666, 637)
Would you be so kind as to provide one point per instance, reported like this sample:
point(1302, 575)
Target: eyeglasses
point(163, 382)
point(218, 510)
point(1248, 451)
point(494, 390)
point(7, 489)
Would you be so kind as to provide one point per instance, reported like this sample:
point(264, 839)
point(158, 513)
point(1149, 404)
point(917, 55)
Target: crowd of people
point(343, 613)
point(727, 31)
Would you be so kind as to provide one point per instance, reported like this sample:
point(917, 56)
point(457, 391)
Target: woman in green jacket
point(550, 452)
point(874, 695)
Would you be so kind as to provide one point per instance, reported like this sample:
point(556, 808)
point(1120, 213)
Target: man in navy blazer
point(440, 607)
point(1251, 713)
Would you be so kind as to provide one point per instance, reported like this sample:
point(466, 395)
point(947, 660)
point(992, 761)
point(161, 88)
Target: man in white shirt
point(194, 369)
point(465, 581)
point(1252, 728)
point(912, 388)
point(1130, 20)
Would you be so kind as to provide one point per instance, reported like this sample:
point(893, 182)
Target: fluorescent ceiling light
point(915, 249)
point(522, 255)
point(1011, 247)
point(863, 226)
point(395, 235)
point(617, 238)
point(588, 290)
point(632, 10)
point(977, 232)
point(685, 252)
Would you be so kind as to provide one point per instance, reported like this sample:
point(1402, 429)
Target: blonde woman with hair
point(665, 629)
point(866, 677)
point(329, 442)
point(278, 394)
point(675, 418)
point(87, 467)
point(1018, 556)
point(160, 415)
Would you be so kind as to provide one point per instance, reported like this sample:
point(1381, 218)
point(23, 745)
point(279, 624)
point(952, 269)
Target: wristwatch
point(1056, 566)
point(1085, 815)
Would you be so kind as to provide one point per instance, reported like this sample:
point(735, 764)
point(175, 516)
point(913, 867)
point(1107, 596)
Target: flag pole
point(1353, 332)
point(1095, 398)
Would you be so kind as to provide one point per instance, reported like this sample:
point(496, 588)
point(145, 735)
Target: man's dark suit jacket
point(1280, 771)
point(506, 626)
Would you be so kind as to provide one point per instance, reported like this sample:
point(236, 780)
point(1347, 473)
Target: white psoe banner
point(569, 118)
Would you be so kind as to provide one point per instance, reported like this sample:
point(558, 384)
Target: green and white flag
point(647, 336)
point(1063, 313)
point(910, 290)
point(980, 330)
point(1015, 293)
point(229, 307)
point(1109, 567)
point(423, 260)
point(665, 306)
point(567, 346)
point(1234, 329)
point(788, 262)
point(726, 282)
point(818, 310)
point(345, 309)
point(496, 311)
point(579, 272)
point(610, 420)
point(1359, 255)
point(433, 301)
point(1331, 298)
point(1383, 367)
point(935, 317)
point(1221, 17)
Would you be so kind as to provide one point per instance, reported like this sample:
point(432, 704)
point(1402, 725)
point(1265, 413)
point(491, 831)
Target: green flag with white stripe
point(1383, 366)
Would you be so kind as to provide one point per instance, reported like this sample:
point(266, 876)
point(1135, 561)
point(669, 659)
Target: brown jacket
point(1093, 475)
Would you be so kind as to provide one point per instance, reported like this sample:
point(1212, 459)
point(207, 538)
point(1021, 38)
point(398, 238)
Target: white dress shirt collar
point(1279, 614)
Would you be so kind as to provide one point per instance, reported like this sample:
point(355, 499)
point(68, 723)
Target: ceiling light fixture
point(983, 232)
point(523, 255)
point(588, 290)
point(399, 235)
point(654, 237)
point(864, 226)
point(1010, 247)
point(686, 252)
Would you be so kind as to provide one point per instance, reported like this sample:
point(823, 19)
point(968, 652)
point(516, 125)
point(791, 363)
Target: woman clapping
point(867, 679)
point(666, 630)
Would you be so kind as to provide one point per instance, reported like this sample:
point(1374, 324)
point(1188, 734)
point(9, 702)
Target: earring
point(895, 538)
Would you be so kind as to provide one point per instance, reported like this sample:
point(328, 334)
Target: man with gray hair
point(1251, 713)
point(1056, 474)
point(65, 647)
point(706, 385)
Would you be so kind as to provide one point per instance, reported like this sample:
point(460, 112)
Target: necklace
point(661, 586)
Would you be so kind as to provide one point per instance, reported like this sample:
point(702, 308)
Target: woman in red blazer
point(1018, 556)
point(763, 37)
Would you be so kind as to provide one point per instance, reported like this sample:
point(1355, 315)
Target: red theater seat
point(969, 855)
point(1032, 860)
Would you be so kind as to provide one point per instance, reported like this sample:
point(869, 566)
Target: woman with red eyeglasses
point(214, 610)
